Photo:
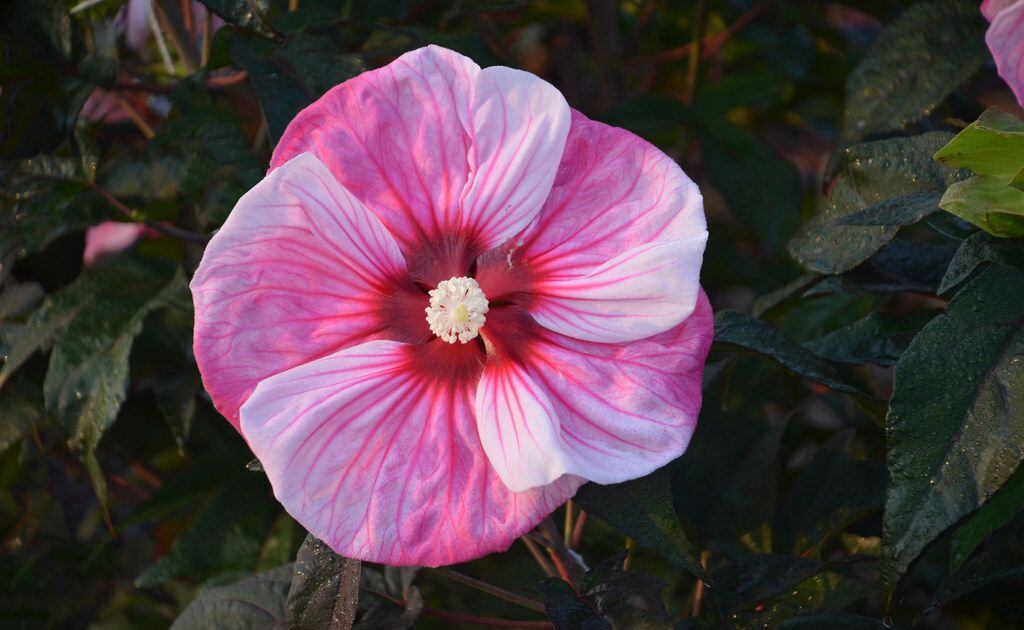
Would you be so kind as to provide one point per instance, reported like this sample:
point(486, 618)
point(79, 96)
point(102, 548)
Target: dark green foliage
point(225, 536)
point(256, 602)
point(642, 509)
point(761, 189)
point(1006, 503)
point(837, 492)
point(741, 333)
point(977, 249)
point(325, 589)
point(608, 598)
point(956, 420)
point(833, 491)
point(879, 338)
point(291, 75)
point(870, 176)
point(915, 63)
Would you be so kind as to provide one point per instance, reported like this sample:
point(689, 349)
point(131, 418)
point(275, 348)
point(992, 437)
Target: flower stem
point(628, 560)
point(158, 35)
point(490, 589)
point(485, 621)
point(204, 54)
point(134, 115)
point(535, 551)
point(166, 230)
point(562, 570)
point(698, 588)
point(693, 60)
point(567, 536)
point(577, 532)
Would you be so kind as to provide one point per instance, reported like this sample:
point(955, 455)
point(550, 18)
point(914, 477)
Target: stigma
point(456, 311)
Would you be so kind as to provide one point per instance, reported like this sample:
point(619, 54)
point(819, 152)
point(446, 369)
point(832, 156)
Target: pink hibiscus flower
point(111, 237)
point(452, 301)
point(1005, 38)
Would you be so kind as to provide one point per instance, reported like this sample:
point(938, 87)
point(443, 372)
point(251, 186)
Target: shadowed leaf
point(832, 491)
point(762, 190)
point(642, 509)
point(870, 174)
point(956, 420)
point(325, 588)
point(1007, 502)
point(290, 76)
point(227, 535)
point(879, 338)
point(609, 598)
point(738, 332)
point(979, 248)
point(257, 602)
point(915, 63)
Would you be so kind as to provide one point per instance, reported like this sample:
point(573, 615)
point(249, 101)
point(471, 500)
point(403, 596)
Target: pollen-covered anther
point(456, 311)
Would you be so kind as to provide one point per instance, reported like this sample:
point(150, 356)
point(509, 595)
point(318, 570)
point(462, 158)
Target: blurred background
point(130, 128)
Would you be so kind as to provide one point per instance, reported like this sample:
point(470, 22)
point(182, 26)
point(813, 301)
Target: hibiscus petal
point(1005, 38)
point(615, 253)
point(300, 269)
point(453, 159)
point(380, 458)
point(991, 8)
point(520, 124)
point(618, 411)
point(110, 237)
point(518, 427)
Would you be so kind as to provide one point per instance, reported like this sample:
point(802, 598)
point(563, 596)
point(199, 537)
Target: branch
point(490, 589)
point(709, 45)
point(166, 230)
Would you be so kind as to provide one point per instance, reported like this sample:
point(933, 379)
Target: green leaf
point(917, 61)
point(789, 293)
point(43, 199)
point(824, 592)
point(762, 189)
point(292, 75)
point(46, 76)
point(1006, 503)
point(993, 145)
point(642, 509)
point(746, 501)
point(244, 13)
point(977, 249)
point(207, 158)
point(956, 418)
point(904, 210)
point(21, 407)
point(325, 589)
point(871, 175)
point(382, 613)
point(1003, 560)
point(176, 399)
point(609, 598)
point(60, 308)
point(993, 206)
point(833, 491)
point(281, 544)
point(567, 610)
point(879, 338)
point(901, 266)
point(748, 582)
point(737, 332)
point(227, 535)
point(257, 602)
point(833, 621)
point(87, 379)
